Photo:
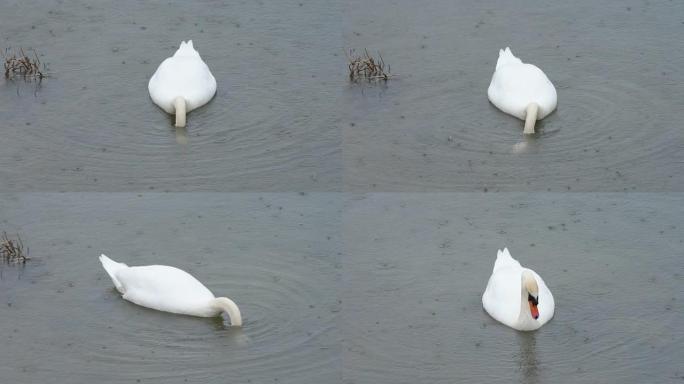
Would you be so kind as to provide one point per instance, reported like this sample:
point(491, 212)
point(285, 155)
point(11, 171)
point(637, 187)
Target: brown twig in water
point(366, 67)
point(12, 251)
point(17, 63)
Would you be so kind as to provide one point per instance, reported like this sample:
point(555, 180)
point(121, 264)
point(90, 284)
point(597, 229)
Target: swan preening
point(182, 83)
point(168, 289)
point(517, 296)
point(521, 90)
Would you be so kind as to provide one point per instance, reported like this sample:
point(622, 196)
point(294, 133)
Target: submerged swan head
point(530, 293)
point(224, 304)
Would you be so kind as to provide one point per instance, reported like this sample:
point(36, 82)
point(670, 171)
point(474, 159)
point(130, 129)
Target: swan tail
point(186, 49)
point(503, 254)
point(507, 57)
point(503, 258)
point(111, 267)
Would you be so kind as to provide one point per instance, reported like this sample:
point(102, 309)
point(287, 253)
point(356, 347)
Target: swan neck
point(525, 316)
point(179, 105)
point(531, 118)
point(224, 304)
point(525, 313)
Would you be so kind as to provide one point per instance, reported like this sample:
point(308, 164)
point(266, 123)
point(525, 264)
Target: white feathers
point(167, 289)
point(515, 85)
point(183, 75)
point(506, 300)
point(187, 50)
point(112, 267)
point(506, 57)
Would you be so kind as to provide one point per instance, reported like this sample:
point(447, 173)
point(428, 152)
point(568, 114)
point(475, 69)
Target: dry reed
point(19, 64)
point(367, 67)
point(12, 251)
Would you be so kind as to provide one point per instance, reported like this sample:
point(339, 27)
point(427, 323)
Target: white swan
point(521, 90)
point(517, 296)
point(168, 289)
point(182, 83)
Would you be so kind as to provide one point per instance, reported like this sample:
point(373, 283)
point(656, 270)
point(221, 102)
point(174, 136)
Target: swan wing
point(165, 288)
point(505, 260)
point(501, 298)
point(112, 267)
point(506, 57)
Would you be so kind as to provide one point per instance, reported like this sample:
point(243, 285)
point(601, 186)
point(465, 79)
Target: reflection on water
point(11, 272)
point(24, 87)
point(528, 357)
point(181, 135)
point(234, 335)
point(529, 144)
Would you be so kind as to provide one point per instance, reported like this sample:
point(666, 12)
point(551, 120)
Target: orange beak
point(534, 311)
point(533, 306)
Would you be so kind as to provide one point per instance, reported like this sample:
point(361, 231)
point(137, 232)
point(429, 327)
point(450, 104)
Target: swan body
point(182, 83)
point(168, 289)
point(517, 296)
point(521, 90)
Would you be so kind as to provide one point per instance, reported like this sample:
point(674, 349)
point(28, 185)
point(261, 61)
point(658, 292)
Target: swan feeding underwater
point(517, 296)
point(182, 83)
point(168, 289)
point(521, 90)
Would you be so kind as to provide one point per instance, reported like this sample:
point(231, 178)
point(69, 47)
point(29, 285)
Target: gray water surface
point(617, 68)
point(416, 265)
point(285, 117)
point(63, 322)
point(348, 221)
point(93, 127)
point(353, 288)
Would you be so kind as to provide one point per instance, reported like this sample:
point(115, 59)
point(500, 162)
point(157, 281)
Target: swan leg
point(179, 104)
point(531, 118)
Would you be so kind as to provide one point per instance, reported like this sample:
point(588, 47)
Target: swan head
point(224, 304)
point(531, 290)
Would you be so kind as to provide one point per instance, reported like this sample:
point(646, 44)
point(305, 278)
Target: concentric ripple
point(412, 289)
point(605, 135)
point(92, 126)
point(272, 254)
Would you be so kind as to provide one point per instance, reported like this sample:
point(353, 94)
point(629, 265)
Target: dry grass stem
point(367, 67)
point(12, 251)
point(19, 64)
